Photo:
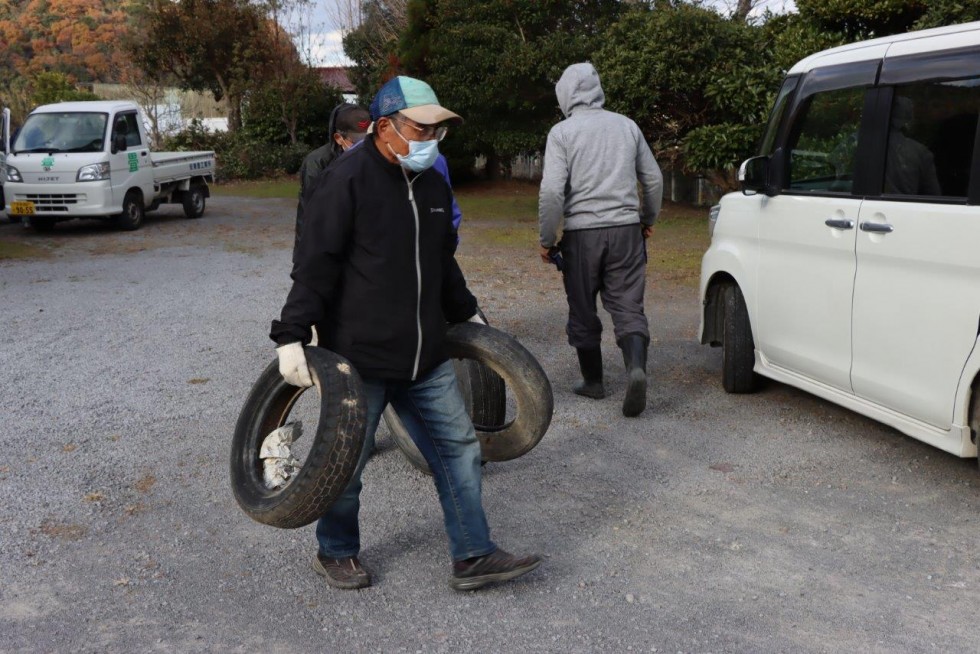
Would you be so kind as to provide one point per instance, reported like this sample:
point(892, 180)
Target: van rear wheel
point(738, 348)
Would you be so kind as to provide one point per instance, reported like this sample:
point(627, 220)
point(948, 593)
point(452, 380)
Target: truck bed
point(169, 166)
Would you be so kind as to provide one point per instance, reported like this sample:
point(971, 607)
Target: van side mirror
point(753, 175)
point(118, 143)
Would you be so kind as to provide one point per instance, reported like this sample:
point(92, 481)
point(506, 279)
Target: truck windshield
point(62, 132)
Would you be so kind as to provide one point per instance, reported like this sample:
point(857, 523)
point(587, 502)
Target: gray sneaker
point(498, 566)
point(347, 573)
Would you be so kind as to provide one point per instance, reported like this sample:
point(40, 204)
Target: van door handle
point(839, 224)
point(877, 228)
point(143, 153)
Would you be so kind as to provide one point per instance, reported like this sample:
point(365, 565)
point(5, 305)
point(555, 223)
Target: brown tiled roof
point(336, 76)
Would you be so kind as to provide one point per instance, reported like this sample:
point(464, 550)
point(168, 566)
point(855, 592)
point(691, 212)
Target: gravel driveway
point(775, 522)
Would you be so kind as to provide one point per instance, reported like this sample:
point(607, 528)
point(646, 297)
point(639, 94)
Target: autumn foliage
point(79, 38)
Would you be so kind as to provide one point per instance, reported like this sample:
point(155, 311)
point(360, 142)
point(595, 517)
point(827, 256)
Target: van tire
point(738, 347)
point(484, 396)
point(133, 212)
point(974, 415)
point(332, 456)
point(194, 202)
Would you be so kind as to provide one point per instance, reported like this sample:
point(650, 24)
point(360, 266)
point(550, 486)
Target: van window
point(932, 132)
point(778, 109)
point(824, 140)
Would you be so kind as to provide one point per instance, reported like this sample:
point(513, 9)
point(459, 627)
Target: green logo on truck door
point(47, 163)
point(134, 163)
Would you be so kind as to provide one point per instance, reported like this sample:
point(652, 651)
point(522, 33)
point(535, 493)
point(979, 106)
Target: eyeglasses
point(427, 132)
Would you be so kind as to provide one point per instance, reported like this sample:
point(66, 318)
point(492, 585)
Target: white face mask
point(421, 154)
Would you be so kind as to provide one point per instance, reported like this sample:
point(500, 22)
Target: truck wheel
point(42, 224)
point(133, 213)
point(738, 347)
point(194, 202)
point(332, 456)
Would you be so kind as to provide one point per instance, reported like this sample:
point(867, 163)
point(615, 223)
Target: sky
point(323, 37)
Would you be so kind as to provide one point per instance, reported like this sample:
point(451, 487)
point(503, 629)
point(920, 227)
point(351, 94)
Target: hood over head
point(579, 88)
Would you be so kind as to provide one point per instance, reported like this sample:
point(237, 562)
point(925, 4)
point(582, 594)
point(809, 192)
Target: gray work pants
point(610, 262)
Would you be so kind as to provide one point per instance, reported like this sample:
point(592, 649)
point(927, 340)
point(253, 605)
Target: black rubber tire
point(133, 212)
point(738, 347)
point(974, 415)
point(194, 202)
point(521, 373)
point(332, 456)
point(484, 395)
point(42, 223)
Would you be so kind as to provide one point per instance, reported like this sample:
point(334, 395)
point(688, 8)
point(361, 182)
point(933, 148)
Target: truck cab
point(93, 160)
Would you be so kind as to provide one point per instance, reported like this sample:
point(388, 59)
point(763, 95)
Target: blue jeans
point(432, 411)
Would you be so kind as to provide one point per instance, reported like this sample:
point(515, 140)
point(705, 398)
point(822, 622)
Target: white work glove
point(292, 365)
point(477, 319)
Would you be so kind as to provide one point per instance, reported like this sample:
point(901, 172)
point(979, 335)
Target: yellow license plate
point(22, 208)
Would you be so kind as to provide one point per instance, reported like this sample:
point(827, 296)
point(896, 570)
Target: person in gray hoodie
point(592, 163)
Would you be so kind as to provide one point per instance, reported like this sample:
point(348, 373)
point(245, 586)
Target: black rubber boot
point(590, 361)
point(634, 348)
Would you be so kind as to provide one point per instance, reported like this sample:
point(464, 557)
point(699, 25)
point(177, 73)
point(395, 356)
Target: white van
point(849, 265)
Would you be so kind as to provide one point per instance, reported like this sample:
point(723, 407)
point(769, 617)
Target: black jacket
point(378, 284)
point(314, 164)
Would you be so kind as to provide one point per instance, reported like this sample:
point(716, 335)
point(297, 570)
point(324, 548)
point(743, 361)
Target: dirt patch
point(145, 483)
point(63, 531)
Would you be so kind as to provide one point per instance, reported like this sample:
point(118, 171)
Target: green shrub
point(239, 155)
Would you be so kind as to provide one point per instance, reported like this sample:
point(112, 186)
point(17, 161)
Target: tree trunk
point(493, 166)
point(234, 112)
point(742, 10)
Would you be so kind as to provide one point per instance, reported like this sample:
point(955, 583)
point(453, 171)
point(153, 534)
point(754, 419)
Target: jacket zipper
point(418, 277)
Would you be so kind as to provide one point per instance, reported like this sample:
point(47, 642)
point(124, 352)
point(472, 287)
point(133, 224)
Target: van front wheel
point(738, 351)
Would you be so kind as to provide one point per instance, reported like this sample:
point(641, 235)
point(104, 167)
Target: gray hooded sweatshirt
point(592, 163)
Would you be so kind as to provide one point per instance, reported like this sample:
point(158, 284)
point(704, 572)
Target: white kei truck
point(92, 160)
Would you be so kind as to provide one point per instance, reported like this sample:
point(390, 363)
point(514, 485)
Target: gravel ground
point(767, 523)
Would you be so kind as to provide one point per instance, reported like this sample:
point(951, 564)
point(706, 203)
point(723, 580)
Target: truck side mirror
point(753, 175)
point(118, 142)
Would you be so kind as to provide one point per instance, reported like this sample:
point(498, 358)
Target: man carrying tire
point(375, 273)
point(592, 163)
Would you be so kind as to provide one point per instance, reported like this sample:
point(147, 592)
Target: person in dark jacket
point(347, 127)
point(375, 273)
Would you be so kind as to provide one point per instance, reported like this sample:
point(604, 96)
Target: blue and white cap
point(414, 99)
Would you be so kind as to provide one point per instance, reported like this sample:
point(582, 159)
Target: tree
point(48, 88)
point(288, 103)
point(949, 12)
point(298, 118)
point(372, 44)
point(678, 69)
point(861, 19)
point(496, 63)
point(77, 39)
point(207, 45)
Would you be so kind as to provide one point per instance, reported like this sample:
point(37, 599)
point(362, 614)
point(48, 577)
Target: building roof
point(336, 76)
